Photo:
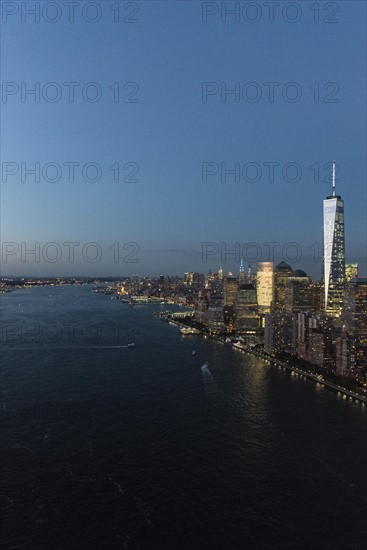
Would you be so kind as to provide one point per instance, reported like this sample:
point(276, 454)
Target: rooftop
point(283, 266)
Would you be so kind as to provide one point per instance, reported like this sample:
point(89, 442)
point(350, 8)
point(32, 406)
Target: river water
point(104, 446)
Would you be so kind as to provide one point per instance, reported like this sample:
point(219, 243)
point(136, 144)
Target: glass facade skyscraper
point(334, 252)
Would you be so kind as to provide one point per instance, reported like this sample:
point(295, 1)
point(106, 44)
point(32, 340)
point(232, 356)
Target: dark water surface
point(109, 447)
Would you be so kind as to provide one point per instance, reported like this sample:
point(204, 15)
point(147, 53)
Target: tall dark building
point(230, 288)
point(281, 272)
point(247, 319)
point(354, 315)
point(298, 293)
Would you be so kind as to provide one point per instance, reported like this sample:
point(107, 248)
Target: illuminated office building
point(265, 286)
point(192, 278)
point(351, 272)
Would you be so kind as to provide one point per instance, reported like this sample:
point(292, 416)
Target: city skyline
point(331, 265)
point(183, 279)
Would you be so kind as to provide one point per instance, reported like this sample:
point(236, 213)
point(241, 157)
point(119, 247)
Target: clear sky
point(174, 127)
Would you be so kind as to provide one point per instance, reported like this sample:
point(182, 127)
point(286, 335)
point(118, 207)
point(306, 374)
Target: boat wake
point(129, 346)
point(66, 348)
point(210, 386)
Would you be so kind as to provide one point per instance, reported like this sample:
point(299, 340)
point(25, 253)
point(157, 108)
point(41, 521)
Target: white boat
point(132, 345)
point(189, 330)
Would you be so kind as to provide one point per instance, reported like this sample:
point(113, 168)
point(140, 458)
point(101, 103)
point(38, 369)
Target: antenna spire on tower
point(333, 178)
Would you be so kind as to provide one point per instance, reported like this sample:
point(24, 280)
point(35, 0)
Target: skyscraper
point(230, 288)
point(247, 319)
point(334, 252)
point(265, 286)
point(241, 276)
point(354, 314)
point(281, 272)
point(298, 294)
point(351, 272)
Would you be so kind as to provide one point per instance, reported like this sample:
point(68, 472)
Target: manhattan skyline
point(329, 256)
point(183, 281)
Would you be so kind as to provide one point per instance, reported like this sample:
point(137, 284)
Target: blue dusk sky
point(186, 92)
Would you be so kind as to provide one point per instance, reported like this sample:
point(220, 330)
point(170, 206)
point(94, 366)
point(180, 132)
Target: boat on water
point(193, 352)
point(228, 341)
point(189, 330)
point(138, 300)
point(132, 345)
